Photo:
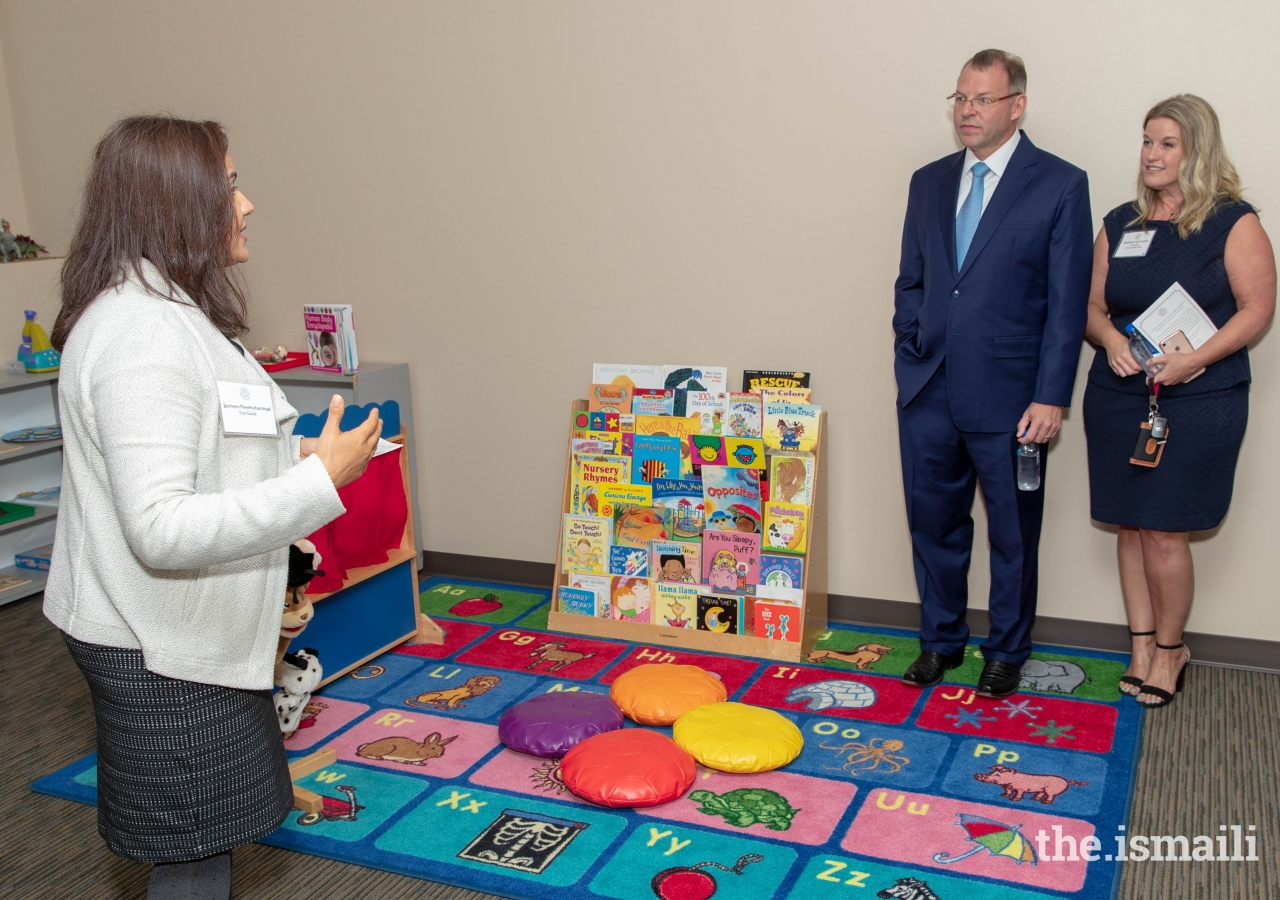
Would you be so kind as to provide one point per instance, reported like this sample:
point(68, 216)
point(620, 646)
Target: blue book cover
point(654, 456)
point(630, 561)
point(781, 571)
point(680, 500)
point(577, 601)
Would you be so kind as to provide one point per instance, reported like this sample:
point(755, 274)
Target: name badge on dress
point(1133, 243)
point(247, 409)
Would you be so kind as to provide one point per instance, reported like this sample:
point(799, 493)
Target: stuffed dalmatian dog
point(300, 674)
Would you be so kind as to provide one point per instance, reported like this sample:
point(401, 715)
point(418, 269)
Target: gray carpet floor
point(1212, 758)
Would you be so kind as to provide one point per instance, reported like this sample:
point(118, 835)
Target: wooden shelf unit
point(813, 611)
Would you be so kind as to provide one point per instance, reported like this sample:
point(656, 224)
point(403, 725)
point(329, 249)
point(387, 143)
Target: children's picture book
point(631, 599)
point(676, 561)
point(598, 585)
point(785, 527)
point(682, 507)
point(637, 526)
point(780, 572)
point(630, 561)
point(744, 417)
point(576, 601)
point(652, 401)
point(586, 544)
point(775, 621)
point(610, 398)
point(610, 496)
point(589, 472)
point(654, 456)
point(730, 561)
point(791, 479)
point(730, 499)
point(608, 446)
point(581, 424)
point(331, 338)
point(791, 426)
point(709, 406)
point(756, 380)
point(672, 426)
point(786, 395)
point(602, 420)
point(708, 449)
point(675, 605)
point(696, 378)
point(719, 614)
point(635, 376)
point(744, 453)
point(627, 424)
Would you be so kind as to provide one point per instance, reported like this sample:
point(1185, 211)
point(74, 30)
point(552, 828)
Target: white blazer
point(172, 537)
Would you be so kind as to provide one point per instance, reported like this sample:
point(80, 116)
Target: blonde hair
point(1206, 176)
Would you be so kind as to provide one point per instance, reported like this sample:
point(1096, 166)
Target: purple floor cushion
point(551, 724)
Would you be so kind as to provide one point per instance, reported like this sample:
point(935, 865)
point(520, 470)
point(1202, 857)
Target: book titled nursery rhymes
point(589, 472)
point(785, 527)
point(654, 456)
point(682, 506)
point(634, 376)
point(791, 426)
point(331, 338)
point(630, 561)
point(791, 479)
point(744, 416)
point(730, 499)
point(730, 561)
point(610, 398)
point(675, 605)
point(679, 561)
point(586, 544)
point(631, 599)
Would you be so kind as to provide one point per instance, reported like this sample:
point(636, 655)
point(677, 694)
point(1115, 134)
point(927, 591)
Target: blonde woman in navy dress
point(1206, 238)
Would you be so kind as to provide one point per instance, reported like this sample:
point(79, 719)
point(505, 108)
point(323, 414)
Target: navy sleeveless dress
point(1191, 488)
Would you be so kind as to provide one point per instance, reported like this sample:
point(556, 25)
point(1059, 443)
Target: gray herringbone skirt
point(185, 770)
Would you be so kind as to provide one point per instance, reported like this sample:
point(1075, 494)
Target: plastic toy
point(735, 737)
point(628, 768)
point(659, 693)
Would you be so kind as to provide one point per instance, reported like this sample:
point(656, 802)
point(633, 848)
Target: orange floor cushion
point(660, 693)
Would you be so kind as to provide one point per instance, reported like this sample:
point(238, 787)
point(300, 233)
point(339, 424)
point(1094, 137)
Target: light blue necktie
point(970, 213)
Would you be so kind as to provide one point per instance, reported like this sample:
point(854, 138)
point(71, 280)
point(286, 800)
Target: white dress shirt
point(997, 162)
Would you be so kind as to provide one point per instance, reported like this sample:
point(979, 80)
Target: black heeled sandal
point(1160, 694)
point(1133, 679)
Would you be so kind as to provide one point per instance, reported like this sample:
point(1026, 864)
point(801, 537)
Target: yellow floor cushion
point(659, 693)
point(735, 737)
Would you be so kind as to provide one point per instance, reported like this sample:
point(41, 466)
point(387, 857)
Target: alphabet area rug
point(898, 793)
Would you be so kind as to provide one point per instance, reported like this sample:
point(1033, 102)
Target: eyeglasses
point(981, 104)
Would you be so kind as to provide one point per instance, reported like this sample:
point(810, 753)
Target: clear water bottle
point(1028, 467)
point(1142, 351)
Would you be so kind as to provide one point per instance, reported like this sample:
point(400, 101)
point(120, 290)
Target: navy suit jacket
point(1011, 322)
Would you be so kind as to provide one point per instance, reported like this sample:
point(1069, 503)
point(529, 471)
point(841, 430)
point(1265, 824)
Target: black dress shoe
point(999, 679)
point(929, 667)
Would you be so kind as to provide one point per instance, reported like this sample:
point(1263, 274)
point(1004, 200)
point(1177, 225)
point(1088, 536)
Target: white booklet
point(1175, 311)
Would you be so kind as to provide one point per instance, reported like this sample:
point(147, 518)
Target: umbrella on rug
point(995, 837)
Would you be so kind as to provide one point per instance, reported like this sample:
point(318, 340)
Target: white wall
point(509, 191)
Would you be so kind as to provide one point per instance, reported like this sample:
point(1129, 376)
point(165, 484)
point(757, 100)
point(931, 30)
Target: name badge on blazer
point(247, 409)
point(1133, 243)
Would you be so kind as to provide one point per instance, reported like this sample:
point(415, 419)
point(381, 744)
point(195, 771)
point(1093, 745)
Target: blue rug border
point(61, 784)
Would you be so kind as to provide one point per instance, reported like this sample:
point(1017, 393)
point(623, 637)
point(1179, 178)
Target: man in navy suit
point(989, 315)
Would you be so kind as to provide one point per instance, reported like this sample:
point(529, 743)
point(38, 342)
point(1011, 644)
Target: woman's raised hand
point(346, 454)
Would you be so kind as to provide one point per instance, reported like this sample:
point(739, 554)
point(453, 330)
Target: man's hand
point(1039, 423)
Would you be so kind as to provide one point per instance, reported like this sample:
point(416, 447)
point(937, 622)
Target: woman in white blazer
point(169, 564)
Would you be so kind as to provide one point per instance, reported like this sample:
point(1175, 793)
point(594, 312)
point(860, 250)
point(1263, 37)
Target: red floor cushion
point(627, 768)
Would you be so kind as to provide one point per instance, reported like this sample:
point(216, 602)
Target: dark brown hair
point(157, 190)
